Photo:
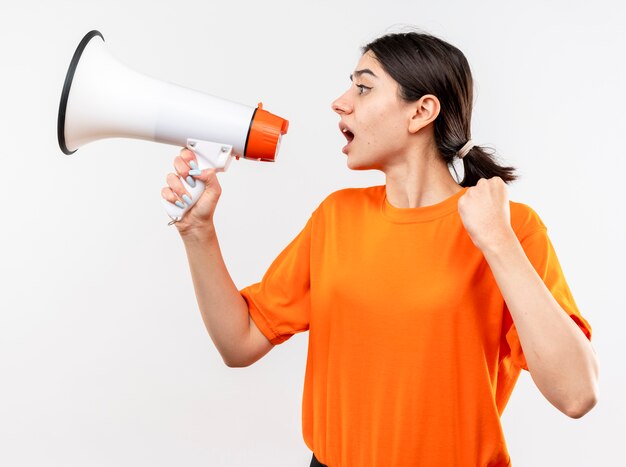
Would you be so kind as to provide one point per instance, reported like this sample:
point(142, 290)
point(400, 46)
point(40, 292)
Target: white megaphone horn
point(102, 98)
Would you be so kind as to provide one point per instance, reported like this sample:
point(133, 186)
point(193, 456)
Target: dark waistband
point(316, 463)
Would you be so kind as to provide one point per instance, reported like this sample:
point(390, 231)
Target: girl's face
point(374, 119)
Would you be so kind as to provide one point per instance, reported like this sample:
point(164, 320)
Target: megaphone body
point(103, 98)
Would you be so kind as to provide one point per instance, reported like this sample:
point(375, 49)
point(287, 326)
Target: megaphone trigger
point(211, 155)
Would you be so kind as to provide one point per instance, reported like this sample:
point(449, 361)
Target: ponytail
point(479, 163)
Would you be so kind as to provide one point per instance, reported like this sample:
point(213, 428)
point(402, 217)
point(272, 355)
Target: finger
point(207, 176)
point(181, 166)
point(188, 157)
point(183, 170)
point(185, 163)
point(177, 187)
point(168, 195)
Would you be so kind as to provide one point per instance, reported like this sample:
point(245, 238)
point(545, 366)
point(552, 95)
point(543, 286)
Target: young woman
point(424, 298)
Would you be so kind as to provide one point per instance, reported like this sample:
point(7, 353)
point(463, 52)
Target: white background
point(104, 358)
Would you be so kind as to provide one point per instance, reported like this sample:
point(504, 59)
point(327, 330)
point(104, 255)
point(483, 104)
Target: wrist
point(195, 234)
point(501, 244)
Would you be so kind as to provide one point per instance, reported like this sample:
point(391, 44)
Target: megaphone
point(103, 98)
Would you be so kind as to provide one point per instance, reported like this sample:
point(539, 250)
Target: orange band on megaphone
point(264, 137)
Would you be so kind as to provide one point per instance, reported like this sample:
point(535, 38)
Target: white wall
point(104, 359)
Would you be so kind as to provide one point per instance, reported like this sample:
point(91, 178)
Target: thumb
point(208, 177)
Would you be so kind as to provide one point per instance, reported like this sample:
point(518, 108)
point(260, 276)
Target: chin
point(355, 166)
point(354, 163)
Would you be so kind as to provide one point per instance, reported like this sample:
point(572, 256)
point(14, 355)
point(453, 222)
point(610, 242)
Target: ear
point(423, 111)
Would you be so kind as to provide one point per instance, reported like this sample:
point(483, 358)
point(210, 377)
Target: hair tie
point(465, 149)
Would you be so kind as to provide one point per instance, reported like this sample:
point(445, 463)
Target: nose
point(342, 105)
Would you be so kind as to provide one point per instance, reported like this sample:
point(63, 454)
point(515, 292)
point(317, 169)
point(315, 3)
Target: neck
point(419, 181)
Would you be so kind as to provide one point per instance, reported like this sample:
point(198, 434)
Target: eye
point(362, 88)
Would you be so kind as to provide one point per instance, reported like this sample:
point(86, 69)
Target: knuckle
point(168, 195)
point(181, 168)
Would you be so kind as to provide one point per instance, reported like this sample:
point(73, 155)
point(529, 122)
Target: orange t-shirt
point(412, 351)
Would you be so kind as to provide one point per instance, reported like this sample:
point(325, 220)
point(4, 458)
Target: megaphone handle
point(209, 155)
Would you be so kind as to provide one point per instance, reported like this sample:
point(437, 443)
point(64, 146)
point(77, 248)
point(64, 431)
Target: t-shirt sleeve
point(280, 304)
point(542, 255)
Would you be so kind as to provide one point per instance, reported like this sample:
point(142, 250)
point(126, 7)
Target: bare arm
point(224, 311)
point(558, 354)
point(561, 360)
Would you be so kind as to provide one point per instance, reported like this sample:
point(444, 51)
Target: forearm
point(224, 311)
point(560, 358)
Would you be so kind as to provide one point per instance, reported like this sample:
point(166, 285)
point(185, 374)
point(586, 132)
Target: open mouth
point(346, 132)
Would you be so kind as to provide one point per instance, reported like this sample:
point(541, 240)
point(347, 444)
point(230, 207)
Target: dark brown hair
point(423, 64)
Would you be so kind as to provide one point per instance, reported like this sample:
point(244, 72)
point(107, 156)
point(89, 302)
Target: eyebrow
point(363, 72)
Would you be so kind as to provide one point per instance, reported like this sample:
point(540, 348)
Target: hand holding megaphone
point(179, 191)
point(102, 98)
point(188, 188)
